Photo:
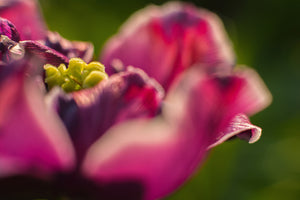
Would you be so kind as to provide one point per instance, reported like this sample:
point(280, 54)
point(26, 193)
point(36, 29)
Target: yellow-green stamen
point(79, 75)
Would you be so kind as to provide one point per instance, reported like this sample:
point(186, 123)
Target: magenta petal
point(71, 49)
point(148, 153)
point(33, 140)
point(26, 16)
point(164, 152)
point(127, 95)
point(165, 41)
point(43, 54)
point(10, 50)
point(37, 53)
point(243, 92)
point(9, 47)
point(252, 95)
point(8, 29)
point(239, 126)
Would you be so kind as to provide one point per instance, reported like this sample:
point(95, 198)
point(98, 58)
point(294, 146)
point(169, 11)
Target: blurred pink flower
point(125, 138)
point(165, 41)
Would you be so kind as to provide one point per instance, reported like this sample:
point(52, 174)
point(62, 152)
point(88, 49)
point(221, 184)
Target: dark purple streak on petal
point(44, 53)
point(70, 49)
point(8, 29)
point(69, 186)
point(127, 95)
point(9, 38)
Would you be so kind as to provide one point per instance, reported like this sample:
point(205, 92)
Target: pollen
point(77, 76)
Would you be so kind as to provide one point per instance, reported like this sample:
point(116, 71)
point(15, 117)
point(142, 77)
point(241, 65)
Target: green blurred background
point(266, 36)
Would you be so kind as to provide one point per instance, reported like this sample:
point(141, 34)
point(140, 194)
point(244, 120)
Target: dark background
point(266, 36)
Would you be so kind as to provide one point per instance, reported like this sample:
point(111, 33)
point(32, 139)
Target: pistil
point(79, 75)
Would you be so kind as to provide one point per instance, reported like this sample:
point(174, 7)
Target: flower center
point(79, 75)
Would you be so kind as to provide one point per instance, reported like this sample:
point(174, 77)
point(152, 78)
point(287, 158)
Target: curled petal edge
point(241, 127)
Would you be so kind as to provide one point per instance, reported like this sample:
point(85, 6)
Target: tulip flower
point(74, 132)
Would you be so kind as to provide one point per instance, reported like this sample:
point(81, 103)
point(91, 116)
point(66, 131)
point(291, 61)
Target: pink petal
point(254, 95)
point(149, 153)
point(26, 16)
point(32, 139)
point(43, 54)
point(251, 96)
point(239, 126)
point(164, 152)
point(165, 41)
point(127, 95)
